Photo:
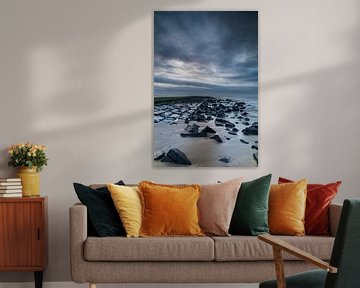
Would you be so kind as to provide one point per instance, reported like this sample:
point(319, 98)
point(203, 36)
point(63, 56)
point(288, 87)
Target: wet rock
point(254, 147)
point(161, 156)
point(256, 156)
point(243, 141)
point(192, 128)
point(216, 138)
point(200, 134)
point(187, 120)
point(220, 114)
point(246, 123)
point(209, 130)
point(176, 156)
point(232, 132)
point(201, 118)
point(220, 122)
point(252, 130)
point(229, 125)
point(247, 119)
point(224, 159)
point(235, 129)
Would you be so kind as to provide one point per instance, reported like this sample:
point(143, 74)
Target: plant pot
point(30, 181)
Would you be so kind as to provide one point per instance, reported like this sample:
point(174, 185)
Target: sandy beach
point(189, 124)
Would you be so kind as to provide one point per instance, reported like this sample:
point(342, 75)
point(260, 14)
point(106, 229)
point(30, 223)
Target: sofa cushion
point(127, 201)
point(149, 249)
point(244, 248)
point(250, 215)
point(169, 210)
point(318, 199)
point(287, 204)
point(102, 216)
point(216, 206)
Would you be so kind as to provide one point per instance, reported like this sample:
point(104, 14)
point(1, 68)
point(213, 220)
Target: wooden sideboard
point(23, 235)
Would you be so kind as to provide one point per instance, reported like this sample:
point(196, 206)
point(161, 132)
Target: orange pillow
point(169, 210)
point(318, 200)
point(287, 204)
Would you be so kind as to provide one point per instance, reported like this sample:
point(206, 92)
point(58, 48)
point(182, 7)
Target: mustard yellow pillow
point(127, 201)
point(287, 204)
point(169, 210)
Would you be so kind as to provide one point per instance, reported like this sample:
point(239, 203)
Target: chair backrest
point(346, 251)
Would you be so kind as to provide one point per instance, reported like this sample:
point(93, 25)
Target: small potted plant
point(30, 158)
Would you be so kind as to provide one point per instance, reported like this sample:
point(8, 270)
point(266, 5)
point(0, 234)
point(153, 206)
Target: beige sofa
point(234, 259)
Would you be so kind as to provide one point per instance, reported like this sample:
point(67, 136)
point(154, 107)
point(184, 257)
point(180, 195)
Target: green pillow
point(250, 216)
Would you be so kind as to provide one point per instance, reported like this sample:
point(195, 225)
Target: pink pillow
point(216, 205)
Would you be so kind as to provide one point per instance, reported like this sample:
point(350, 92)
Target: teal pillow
point(250, 216)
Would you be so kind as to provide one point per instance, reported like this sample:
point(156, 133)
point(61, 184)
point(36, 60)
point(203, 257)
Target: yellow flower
point(28, 154)
point(11, 151)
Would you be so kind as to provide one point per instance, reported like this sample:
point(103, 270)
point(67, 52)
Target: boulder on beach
point(229, 125)
point(209, 130)
point(220, 122)
point(243, 141)
point(255, 155)
point(158, 156)
point(252, 130)
point(192, 128)
point(199, 134)
point(254, 147)
point(224, 159)
point(232, 132)
point(216, 138)
point(176, 156)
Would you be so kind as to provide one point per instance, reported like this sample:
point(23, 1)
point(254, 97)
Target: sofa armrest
point(334, 217)
point(78, 235)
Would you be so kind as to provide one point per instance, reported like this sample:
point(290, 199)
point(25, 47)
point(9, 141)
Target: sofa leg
point(92, 285)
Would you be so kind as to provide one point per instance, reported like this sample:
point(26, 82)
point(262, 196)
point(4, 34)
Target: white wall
point(77, 76)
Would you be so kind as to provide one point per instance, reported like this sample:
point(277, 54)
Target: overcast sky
point(206, 53)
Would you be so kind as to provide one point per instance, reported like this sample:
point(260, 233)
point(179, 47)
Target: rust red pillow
point(319, 197)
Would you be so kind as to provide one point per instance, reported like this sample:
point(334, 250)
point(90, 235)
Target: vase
point(30, 181)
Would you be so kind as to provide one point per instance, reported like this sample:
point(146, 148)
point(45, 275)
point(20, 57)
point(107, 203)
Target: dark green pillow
point(102, 215)
point(250, 216)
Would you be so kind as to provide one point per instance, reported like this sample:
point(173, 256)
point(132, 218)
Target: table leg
point(38, 279)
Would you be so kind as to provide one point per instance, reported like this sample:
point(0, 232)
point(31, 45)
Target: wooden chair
point(344, 268)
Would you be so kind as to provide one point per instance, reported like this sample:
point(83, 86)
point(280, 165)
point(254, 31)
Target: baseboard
point(74, 285)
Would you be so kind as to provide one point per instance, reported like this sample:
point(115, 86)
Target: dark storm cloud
point(205, 53)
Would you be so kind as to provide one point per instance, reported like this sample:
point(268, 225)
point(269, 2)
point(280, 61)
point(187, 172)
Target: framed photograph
point(205, 89)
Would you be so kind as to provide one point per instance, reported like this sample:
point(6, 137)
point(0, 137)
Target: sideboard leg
point(92, 285)
point(38, 279)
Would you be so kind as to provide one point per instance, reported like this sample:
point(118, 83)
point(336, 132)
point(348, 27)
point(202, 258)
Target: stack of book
point(10, 187)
